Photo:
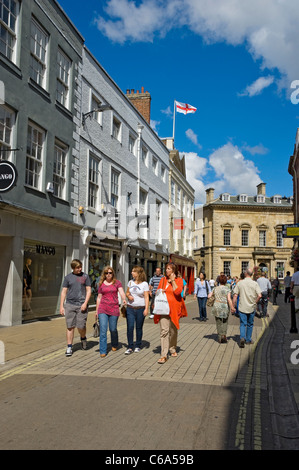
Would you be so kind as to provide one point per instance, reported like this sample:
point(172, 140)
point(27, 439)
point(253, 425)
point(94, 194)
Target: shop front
point(186, 268)
point(101, 253)
point(43, 273)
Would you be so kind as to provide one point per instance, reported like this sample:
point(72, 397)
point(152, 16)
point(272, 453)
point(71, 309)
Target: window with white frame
point(163, 173)
point(244, 266)
point(93, 182)
point(262, 238)
point(34, 156)
point(144, 155)
point(114, 188)
point(226, 237)
point(172, 193)
point(97, 115)
point(38, 50)
point(279, 239)
point(132, 144)
point(158, 221)
point(63, 78)
point(227, 268)
point(243, 198)
point(277, 199)
point(179, 197)
point(7, 120)
point(142, 202)
point(116, 129)
point(9, 10)
point(155, 165)
point(59, 169)
point(225, 197)
point(260, 198)
point(245, 238)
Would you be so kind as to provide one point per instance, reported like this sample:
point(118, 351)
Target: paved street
point(212, 396)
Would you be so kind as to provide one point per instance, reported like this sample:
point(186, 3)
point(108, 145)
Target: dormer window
point(225, 197)
point(277, 199)
point(260, 198)
point(243, 198)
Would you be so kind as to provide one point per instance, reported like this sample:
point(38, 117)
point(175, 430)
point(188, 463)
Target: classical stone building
point(245, 231)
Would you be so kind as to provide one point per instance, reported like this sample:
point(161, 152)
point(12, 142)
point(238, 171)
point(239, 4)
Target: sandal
point(162, 360)
point(175, 354)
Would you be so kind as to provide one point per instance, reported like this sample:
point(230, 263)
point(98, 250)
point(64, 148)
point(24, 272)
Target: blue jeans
point(246, 325)
point(134, 317)
point(104, 321)
point(202, 302)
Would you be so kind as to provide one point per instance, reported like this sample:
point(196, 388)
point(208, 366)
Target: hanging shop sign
point(290, 231)
point(8, 176)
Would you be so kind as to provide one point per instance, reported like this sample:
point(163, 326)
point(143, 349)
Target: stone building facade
point(245, 231)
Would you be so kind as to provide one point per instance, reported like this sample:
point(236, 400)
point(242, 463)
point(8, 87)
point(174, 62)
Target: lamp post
point(104, 107)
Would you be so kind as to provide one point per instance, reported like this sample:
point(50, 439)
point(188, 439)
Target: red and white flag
point(184, 108)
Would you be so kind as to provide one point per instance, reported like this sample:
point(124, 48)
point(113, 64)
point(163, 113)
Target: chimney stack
point(141, 101)
point(261, 189)
point(209, 195)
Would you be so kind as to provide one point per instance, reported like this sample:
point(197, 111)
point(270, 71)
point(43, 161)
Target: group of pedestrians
point(76, 292)
point(246, 299)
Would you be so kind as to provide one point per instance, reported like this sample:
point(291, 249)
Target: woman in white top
point(137, 307)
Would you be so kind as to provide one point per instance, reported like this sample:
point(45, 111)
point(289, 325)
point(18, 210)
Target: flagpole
point(173, 124)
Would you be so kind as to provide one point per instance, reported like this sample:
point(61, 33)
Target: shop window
point(98, 259)
point(45, 276)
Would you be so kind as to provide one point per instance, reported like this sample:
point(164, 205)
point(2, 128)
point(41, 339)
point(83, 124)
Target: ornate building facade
point(245, 231)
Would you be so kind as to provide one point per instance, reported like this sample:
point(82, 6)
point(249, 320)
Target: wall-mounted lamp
point(81, 210)
point(104, 107)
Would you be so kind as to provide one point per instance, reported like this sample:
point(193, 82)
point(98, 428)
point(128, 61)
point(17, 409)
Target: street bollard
point(293, 315)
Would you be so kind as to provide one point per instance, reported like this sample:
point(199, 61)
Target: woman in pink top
point(107, 308)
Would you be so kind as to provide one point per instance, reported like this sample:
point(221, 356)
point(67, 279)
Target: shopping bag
point(161, 306)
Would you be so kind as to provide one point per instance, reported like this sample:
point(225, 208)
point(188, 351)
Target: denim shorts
point(74, 317)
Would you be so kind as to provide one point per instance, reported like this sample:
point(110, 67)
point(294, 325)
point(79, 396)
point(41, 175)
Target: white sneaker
point(137, 350)
point(129, 351)
point(69, 351)
point(151, 316)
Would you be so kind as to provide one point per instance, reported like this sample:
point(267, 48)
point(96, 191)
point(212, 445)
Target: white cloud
point(168, 111)
point(268, 28)
point(258, 86)
point(193, 137)
point(226, 170)
point(256, 149)
point(237, 175)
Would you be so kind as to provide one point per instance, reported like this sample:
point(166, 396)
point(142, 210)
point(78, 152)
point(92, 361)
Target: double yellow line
point(257, 421)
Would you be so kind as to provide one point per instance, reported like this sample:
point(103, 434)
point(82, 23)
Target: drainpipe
point(139, 150)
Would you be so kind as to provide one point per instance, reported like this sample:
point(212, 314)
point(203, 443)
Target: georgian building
point(40, 67)
point(245, 231)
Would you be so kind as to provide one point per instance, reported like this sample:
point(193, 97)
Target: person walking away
point(287, 287)
point(250, 293)
point(265, 287)
point(172, 285)
point(295, 287)
point(107, 308)
point(275, 287)
point(137, 308)
point(153, 285)
point(76, 292)
point(202, 292)
point(222, 306)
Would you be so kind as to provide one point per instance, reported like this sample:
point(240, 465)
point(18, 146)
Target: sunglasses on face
point(109, 272)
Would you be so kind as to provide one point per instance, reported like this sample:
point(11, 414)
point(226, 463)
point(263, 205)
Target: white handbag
point(161, 306)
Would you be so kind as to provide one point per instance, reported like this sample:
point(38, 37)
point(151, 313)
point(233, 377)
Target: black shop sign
point(8, 176)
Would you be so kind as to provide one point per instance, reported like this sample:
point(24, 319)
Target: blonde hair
point(141, 277)
point(104, 272)
point(76, 263)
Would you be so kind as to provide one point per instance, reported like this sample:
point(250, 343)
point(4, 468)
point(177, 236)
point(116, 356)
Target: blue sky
point(234, 61)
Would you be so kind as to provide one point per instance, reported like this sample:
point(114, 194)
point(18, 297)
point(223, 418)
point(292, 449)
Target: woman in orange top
point(169, 324)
